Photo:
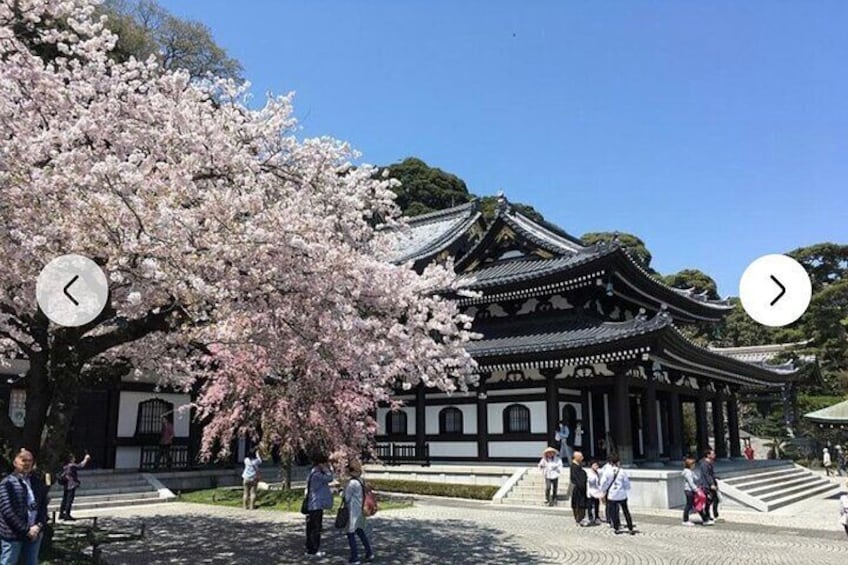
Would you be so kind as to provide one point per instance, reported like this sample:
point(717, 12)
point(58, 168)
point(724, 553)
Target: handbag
point(304, 506)
point(700, 500)
point(342, 516)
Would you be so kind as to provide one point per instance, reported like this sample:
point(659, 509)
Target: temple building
point(573, 332)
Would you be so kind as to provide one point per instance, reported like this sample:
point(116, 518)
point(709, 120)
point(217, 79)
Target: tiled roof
point(430, 233)
point(572, 334)
point(546, 235)
point(836, 414)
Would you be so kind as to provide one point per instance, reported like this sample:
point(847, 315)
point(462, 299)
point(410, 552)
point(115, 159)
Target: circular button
point(775, 290)
point(72, 290)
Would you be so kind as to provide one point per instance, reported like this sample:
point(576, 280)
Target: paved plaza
point(438, 532)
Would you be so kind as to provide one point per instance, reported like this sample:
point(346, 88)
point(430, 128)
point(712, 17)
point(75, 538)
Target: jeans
point(67, 501)
point(23, 552)
point(551, 484)
point(615, 507)
point(249, 498)
point(354, 548)
point(566, 453)
point(690, 507)
point(314, 523)
point(594, 509)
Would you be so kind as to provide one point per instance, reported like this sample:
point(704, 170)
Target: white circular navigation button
point(72, 290)
point(775, 290)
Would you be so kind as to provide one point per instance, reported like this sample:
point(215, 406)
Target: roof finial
point(502, 201)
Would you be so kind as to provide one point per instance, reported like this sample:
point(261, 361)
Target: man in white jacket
point(615, 484)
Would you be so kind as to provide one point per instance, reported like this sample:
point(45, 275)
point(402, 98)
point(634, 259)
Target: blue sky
point(715, 131)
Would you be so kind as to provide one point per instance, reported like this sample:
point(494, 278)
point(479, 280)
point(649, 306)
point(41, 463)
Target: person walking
point(593, 490)
point(616, 486)
point(749, 451)
point(827, 462)
point(551, 466)
point(23, 512)
point(250, 479)
point(319, 498)
point(691, 489)
point(354, 498)
point(70, 482)
point(709, 482)
point(563, 436)
point(840, 461)
point(166, 439)
point(843, 509)
point(579, 500)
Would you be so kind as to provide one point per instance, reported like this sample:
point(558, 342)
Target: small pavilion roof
point(835, 414)
point(431, 233)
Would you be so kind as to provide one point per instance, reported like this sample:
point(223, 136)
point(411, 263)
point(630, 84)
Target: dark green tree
point(634, 245)
point(693, 278)
point(425, 189)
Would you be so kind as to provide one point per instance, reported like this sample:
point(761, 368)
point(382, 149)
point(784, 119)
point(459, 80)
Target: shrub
point(476, 492)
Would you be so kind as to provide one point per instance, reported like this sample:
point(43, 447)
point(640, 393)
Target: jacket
point(615, 483)
point(13, 506)
point(71, 471)
point(578, 481)
point(707, 473)
point(320, 497)
point(354, 498)
point(691, 480)
point(551, 468)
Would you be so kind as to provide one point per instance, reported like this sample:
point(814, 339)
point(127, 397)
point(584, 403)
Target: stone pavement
point(477, 533)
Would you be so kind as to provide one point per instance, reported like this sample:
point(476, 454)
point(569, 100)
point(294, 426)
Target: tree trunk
point(39, 394)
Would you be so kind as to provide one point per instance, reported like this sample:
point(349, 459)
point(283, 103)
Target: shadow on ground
point(219, 540)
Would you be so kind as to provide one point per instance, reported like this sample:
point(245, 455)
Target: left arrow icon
point(68, 294)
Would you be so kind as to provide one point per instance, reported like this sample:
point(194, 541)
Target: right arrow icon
point(782, 290)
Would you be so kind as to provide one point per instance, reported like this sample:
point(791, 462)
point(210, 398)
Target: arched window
point(150, 414)
point(516, 419)
point(569, 415)
point(450, 420)
point(396, 423)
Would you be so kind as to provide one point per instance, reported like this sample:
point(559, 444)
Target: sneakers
point(354, 563)
point(619, 532)
point(709, 523)
point(688, 523)
point(316, 554)
point(369, 558)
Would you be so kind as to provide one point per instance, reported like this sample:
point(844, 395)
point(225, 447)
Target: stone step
point(139, 485)
point(789, 492)
point(804, 479)
point(792, 498)
point(80, 506)
point(106, 491)
point(740, 481)
point(114, 481)
point(107, 498)
point(755, 484)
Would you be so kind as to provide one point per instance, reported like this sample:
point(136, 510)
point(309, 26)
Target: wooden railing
point(177, 457)
point(393, 454)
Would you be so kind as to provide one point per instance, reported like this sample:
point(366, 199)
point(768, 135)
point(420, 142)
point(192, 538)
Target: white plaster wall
point(410, 419)
point(516, 448)
point(453, 449)
point(127, 457)
point(537, 416)
point(469, 418)
point(128, 412)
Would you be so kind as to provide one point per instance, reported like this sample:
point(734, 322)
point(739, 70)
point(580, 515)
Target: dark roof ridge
point(472, 206)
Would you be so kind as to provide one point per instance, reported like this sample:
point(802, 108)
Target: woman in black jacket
point(23, 512)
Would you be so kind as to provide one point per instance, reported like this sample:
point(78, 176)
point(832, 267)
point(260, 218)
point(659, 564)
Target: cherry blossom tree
point(241, 260)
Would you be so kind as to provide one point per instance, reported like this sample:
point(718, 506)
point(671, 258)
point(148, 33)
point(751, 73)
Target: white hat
point(825, 449)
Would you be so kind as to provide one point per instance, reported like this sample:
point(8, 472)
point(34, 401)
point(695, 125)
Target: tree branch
point(154, 321)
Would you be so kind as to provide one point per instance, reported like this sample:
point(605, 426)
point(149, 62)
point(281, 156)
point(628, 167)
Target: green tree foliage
point(144, 28)
point(489, 205)
point(426, 189)
point(693, 278)
point(634, 245)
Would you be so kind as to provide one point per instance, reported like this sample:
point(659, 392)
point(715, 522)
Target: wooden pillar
point(652, 452)
point(675, 432)
point(733, 426)
point(420, 421)
point(551, 404)
point(482, 420)
point(620, 408)
point(702, 431)
point(718, 426)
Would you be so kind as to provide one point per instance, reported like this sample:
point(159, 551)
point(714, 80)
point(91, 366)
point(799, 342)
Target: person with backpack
point(69, 480)
point(616, 486)
point(355, 495)
point(318, 498)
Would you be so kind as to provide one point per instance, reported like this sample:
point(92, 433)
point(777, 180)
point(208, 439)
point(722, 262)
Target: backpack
point(369, 500)
point(62, 478)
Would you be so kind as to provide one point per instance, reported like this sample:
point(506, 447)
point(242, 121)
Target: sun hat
point(550, 450)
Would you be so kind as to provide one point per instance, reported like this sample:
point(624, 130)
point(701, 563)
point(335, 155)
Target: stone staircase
point(530, 489)
point(770, 488)
point(112, 489)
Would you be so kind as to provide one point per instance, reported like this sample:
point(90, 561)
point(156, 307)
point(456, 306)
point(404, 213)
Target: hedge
point(476, 492)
